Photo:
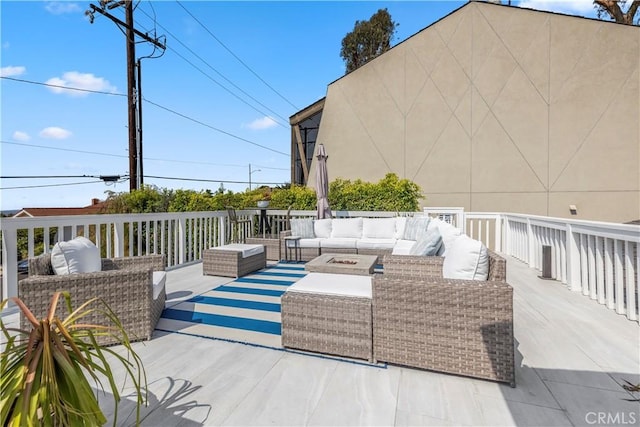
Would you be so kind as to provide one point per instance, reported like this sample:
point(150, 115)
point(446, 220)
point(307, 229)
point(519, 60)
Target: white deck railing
point(599, 259)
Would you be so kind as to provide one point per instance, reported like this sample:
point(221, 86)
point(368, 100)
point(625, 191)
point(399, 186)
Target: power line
point(216, 129)
point(221, 75)
point(146, 158)
point(236, 56)
point(62, 87)
point(212, 180)
point(49, 185)
point(162, 107)
point(109, 178)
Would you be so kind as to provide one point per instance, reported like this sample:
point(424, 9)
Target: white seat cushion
point(375, 243)
point(403, 247)
point(79, 255)
point(159, 280)
point(378, 228)
point(247, 250)
point(305, 243)
point(342, 243)
point(466, 259)
point(334, 284)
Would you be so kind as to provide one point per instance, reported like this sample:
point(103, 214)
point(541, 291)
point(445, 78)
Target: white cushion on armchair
point(79, 255)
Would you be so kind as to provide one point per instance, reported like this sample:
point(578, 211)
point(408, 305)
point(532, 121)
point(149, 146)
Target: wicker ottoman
point(233, 260)
point(329, 313)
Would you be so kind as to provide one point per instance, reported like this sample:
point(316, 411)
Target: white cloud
point(59, 7)
point(55, 133)
point(263, 123)
point(579, 7)
point(12, 71)
point(86, 81)
point(21, 136)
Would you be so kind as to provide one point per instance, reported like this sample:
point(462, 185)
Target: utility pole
point(131, 97)
point(134, 98)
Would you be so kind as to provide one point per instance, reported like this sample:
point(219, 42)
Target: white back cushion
point(346, 227)
point(466, 259)
point(79, 255)
point(449, 235)
point(322, 228)
point(401, 222)
point(378, 228)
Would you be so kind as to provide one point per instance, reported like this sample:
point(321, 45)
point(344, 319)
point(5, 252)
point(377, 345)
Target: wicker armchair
point(125, 284)
point(462, 327)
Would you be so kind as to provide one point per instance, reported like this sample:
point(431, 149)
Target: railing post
point(9, 263)
point(182, 240)
point(531, 244)
point(222, 231)
point(498, 234)
point(118, 239)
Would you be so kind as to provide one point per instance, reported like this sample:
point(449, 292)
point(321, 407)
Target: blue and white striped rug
point(245, 310)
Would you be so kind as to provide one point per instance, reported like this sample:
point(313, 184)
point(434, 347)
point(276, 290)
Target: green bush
point(389, 194)
point(298, 197)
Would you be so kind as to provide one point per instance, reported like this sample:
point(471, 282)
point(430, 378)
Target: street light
point(251, 172)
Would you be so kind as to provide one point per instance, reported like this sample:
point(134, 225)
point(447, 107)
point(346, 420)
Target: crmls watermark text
point(609, 418)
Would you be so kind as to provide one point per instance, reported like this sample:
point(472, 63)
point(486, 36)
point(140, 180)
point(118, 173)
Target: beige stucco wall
point(496, 108)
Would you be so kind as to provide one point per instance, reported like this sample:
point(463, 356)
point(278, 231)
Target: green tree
point(614, 10)
point(368, 40)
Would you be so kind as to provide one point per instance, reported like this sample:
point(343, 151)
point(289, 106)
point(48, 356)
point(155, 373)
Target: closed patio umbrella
point(322, 184)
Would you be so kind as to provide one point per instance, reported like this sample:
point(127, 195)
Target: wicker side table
point(228, 260)
point(330, 314)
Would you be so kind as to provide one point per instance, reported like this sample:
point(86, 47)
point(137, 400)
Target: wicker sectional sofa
point(365, 236)
point(423, 320)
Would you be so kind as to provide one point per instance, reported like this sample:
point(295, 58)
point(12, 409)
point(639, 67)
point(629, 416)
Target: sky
point(216, 103)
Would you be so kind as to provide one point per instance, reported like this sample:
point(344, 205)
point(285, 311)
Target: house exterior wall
point(497, 108)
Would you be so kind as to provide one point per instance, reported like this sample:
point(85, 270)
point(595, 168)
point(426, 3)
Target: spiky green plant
point(46, 371)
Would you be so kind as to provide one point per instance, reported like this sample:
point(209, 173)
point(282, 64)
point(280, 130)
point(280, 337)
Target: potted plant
point(266, 197)
point(46, 370)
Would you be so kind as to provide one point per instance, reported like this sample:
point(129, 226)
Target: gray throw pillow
point(429, 244)
point(416, 227)
point(302, 227)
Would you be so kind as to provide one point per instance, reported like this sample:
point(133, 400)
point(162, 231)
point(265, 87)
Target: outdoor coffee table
point(362, 265)
point(329, 314)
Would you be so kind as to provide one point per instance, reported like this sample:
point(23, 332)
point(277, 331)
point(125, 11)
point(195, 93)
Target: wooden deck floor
point(572, 356)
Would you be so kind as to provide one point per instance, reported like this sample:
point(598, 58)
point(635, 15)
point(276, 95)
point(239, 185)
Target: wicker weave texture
point(413, 265)
point(216, 262)
point(128, 292)
point(271, 245)
point(329, 324)
point(431, 266)
point(380, 253)
point(453, 326)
